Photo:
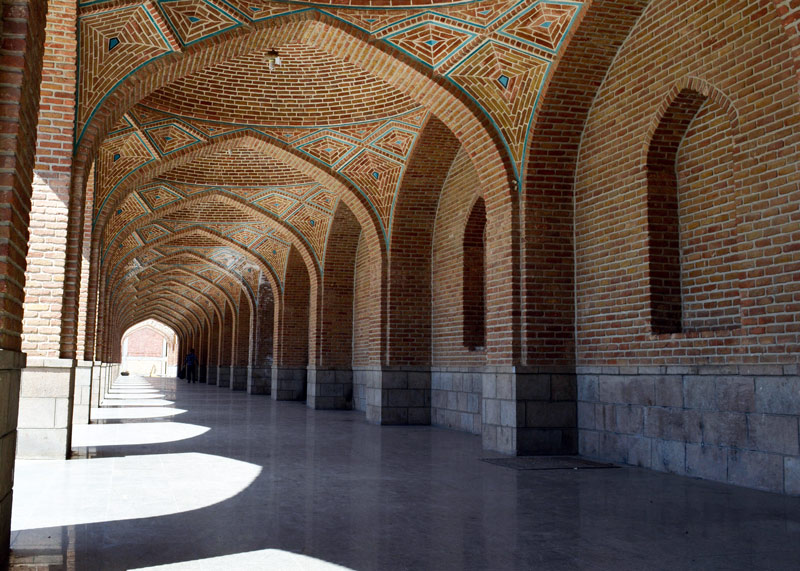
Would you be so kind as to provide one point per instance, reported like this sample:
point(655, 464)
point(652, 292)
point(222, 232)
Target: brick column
point(47, 383)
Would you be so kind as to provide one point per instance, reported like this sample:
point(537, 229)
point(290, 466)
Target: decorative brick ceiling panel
point(242, 167)
point(309, 88)
point(212, 210)
point(114, 43)
point(195, 20)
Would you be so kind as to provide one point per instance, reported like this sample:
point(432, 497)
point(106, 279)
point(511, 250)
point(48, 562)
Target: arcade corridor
point(175, 475)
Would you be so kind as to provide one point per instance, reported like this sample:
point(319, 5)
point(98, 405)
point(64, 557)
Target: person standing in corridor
point(191, 367)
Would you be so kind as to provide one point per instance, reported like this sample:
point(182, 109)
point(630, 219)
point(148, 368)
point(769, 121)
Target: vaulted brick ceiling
point(212, 163)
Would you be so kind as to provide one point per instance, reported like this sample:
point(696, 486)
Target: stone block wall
point(456, 398)
point(734, 424)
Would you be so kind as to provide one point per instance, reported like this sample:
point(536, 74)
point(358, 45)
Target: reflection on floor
point(243, 482)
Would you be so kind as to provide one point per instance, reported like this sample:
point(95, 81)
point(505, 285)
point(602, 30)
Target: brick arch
point(166, 289)
point(339, 39)
point(110, 300)
point(257, 142)
point(334, 333)
point(106, 298)
point(267, 270)
point(118, 330)
point(707, 91)
point(678, 299)
point(157, 295)
point(204, 260)
point(407, 327)
point(548, 313)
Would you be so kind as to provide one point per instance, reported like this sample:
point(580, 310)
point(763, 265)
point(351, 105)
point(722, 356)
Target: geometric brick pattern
point(474, 37)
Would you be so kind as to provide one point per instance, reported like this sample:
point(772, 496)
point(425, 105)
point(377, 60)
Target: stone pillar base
point(45, 408)
point(96, 382)
point(202, 373)
point(398, 395)
point(260, 382)
point(240, 378)
point(529, 410)
point(288, 384)
point(212, 375)
point(11, 364)
point(82, 397)
point(330, 389)
point(224, 376)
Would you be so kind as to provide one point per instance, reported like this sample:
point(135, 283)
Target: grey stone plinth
point(224, 374)
point(82, 392)
point(45, 408)
point(330, 389)
point(398, 395)
point(260, 381)
point(529, 411)
point(288, 384)
point(240, 378)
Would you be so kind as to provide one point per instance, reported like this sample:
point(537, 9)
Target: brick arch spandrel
point(548, 313)
point(334, 335)
point(408, 323)
point(611, 249)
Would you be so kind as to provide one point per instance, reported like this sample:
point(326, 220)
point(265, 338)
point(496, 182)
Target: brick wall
point(456, 382)
point(145, 342)
point(336, 347)
point(717, 397)
point(294, 325)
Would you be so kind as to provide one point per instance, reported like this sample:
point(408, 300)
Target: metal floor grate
point(547, 463)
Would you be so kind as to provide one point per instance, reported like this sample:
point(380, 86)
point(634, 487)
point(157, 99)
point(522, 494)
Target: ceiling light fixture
point(273, 59)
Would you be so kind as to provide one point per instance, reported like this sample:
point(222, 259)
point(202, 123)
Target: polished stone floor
point(190, 477)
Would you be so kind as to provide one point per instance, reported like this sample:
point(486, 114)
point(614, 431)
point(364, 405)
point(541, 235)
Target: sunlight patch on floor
point(130, 434)
point(134, 412)
point(50, 493)
point(262, 559)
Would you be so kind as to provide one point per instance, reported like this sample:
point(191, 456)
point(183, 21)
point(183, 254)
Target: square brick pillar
point(45, 407)
point(329, 389)
point(529, 410)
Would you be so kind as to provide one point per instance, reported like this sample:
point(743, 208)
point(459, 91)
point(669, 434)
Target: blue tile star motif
point(376, 175)
point(112, 43)
point(431, 42)
point(546, 24)
point(503, 80)
point(194, 19)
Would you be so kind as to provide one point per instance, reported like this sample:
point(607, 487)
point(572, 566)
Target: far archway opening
point(150, 348)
